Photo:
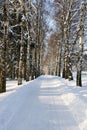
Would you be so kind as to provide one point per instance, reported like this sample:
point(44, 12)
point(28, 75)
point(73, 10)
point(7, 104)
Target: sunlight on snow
point(68, 98)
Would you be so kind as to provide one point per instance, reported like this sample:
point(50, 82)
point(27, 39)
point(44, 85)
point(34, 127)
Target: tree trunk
point(2, 80)
point(28, 57)
point(21, 58)
point(59, 59)
point(67, 60)
point(79, 78)
point(22, 24)
point(80, 45)
point(79, 63)
point(3, 55)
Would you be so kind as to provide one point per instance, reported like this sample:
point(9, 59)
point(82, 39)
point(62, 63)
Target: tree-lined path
point(43, 51)
point(42, 37)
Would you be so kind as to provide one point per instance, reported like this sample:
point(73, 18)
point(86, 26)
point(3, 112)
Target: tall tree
point(3, 52)
point(21, 42)
point(80, 44)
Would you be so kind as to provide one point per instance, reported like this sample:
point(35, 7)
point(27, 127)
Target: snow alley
point(46, 103)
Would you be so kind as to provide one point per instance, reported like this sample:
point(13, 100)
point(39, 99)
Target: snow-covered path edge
point(76, 99)
point(10, 103)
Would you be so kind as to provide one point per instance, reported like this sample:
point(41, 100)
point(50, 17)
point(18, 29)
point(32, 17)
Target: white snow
point(46, 103)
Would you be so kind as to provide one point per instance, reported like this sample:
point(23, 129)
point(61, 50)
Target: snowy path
point(44, 104)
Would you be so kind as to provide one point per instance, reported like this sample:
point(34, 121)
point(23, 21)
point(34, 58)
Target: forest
point(42, 37)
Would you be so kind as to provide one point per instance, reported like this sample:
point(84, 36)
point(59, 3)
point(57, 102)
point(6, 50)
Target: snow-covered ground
point(46, 103)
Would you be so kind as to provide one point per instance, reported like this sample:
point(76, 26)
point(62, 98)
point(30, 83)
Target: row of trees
point(21, 40)
point(22, 34)
point(69, 41)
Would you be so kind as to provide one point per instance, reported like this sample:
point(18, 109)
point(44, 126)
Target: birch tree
point(21, 42)
point(69, 12)
point(80, 44)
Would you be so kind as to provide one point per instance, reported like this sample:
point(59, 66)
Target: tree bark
point(3, 55)
point(28, 56)
point(21, 58)
point(80, 46)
